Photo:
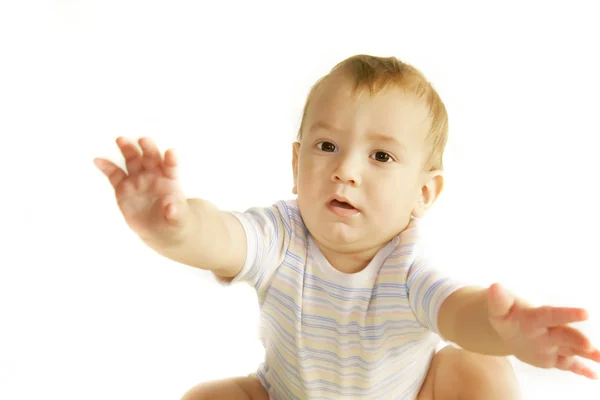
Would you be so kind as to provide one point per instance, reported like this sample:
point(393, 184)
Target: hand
point(149, 194)
point(540, 336)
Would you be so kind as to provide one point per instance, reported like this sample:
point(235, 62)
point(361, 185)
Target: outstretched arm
point(190, 231)
point(493, 321)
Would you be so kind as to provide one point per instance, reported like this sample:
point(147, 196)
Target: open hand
point(148, 194)
point(541, 336)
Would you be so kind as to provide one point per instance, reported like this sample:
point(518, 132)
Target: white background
point(88, 312)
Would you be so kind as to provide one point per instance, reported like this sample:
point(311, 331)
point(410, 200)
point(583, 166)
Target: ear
point(431, 188)
point(295, 151)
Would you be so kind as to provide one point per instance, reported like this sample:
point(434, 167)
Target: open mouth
point(342, 204)
point(342, 208)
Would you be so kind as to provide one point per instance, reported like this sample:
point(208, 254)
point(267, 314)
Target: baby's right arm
point(214, 240)
point(190, 231)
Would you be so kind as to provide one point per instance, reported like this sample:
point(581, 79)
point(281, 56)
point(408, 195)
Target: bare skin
point(238, 388)
point(154, 207)
point(454, 374)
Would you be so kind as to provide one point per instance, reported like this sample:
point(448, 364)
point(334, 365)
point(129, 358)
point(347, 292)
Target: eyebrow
point(322, 125)
point(383, 138)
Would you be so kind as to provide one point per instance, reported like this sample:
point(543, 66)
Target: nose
point(347, 171)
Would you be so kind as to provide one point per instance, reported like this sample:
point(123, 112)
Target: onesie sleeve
point(427, 290)
point(268, 233)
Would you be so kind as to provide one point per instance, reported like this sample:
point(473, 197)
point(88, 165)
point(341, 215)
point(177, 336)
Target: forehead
point(391, 111)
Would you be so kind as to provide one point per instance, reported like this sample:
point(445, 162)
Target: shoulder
point(290, 212)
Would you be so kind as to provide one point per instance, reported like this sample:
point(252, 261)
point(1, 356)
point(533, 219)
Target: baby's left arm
point(493, 321)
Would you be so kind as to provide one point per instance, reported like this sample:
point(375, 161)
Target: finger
point(574, 365)
point(593, 355)
point(568, 352)
point(170, 164)
point(548, 316)
point(172, 212)
point(151, 159)
point(114, 174)
point(569, 337)
point(500, 301)
point(132, 155)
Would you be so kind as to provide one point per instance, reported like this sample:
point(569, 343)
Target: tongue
point(341, 204)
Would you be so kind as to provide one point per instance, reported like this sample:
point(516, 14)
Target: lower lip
point(343, 212)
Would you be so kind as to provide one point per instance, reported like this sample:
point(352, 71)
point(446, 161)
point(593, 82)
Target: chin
point(339, 234)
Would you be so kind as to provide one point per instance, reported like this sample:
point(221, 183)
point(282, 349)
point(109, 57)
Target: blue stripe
point(316, 340)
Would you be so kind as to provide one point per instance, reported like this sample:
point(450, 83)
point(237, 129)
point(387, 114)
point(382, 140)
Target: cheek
point(310, 179)
point(394, 192)
point(312, 168)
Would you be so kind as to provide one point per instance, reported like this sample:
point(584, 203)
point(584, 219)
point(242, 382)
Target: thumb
point(171, 213)
point(500, 301)
point(174, 210)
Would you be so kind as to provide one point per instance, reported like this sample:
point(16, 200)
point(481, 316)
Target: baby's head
point(372, 135)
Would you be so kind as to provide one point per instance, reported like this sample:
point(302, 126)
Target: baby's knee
point(489, 371)
point(239, 388)
point(201, 391)
point(475, 376)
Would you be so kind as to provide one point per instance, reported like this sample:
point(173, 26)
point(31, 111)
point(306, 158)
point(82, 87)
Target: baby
point(349, 307)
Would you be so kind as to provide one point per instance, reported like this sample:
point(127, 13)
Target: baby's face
point(359, 168)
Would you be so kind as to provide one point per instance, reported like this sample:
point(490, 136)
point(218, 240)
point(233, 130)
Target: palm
point(140, 198)
point(541, 336)
point(529, 343)
point(149, 193)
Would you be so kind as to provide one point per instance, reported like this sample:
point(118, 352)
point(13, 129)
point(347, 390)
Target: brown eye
point(382, 157)
point(327, 146)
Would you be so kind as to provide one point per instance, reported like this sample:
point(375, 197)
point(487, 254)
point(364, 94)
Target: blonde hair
point(376, 73)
